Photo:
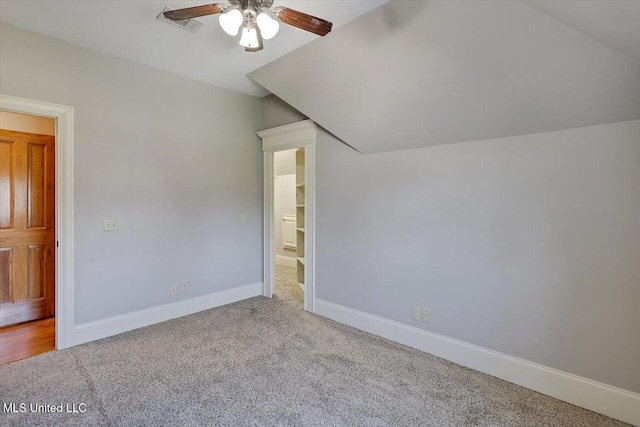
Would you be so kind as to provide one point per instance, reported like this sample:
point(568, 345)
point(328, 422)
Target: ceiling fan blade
point(302, 20)
point(260, 44)
point(194, 12)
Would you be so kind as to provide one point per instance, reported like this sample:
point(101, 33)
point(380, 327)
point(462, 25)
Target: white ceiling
point(128, 29)
point(445, 71)
point(615, 23)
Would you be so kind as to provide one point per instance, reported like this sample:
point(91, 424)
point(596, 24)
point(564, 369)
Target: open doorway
point(27, 235)
point(288, 226)
point(289, 259)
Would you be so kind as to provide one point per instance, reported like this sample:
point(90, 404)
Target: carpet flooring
point(287, 289)
point(264, 362)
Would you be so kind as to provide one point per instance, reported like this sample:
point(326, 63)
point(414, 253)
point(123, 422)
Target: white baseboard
point(595, 396)
point(301, 286)
point(126, 322)
point(286, 260)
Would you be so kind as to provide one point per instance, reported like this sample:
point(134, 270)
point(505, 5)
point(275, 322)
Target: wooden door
point(27, 227)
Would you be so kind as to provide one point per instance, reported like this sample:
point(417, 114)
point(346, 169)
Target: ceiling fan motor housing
point(254, 5)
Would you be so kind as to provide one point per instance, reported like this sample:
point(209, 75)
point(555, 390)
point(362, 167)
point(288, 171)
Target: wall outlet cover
point(426, 315)
point(110, 225)
point(415, 312)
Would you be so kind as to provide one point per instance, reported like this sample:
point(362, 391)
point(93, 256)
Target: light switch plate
point(110, 225)
point(243, 218)
point(415, 312)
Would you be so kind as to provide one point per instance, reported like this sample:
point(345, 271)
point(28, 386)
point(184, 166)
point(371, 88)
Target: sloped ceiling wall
point(419, 73)
point(615, 23)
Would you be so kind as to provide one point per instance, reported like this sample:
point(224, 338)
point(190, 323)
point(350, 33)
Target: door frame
point(64, 294)
point(282, 138)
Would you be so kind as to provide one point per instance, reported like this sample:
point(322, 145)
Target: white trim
point(281, 138)
point(267, 225)
point(310, 226)
point(138, 319)
point(64, 206)
point(294, 135)
point(595, 396)
point(286, 260)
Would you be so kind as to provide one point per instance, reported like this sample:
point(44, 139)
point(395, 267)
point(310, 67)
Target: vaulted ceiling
point(128, 29)
point(393, 75)
point(614, 23)
point(418, 73)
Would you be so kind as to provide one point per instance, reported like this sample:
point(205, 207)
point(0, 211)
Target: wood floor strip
point(27, 340)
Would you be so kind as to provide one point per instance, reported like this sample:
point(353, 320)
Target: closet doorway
point(288, 226)
point(289, 196)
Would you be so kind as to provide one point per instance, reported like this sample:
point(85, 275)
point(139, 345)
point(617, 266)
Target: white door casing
point(64, 206)
point(281, 138)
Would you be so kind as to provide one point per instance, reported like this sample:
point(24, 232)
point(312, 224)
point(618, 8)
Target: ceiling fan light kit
point(249, 38)
point(231, 20)
point(269, 25)
point(255, 18)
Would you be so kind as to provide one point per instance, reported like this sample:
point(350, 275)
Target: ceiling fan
point(256, 18)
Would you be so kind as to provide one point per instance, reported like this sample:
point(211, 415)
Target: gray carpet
point(264, 362)
point(287, 289)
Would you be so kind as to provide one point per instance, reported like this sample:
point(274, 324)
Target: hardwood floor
point(26, 340)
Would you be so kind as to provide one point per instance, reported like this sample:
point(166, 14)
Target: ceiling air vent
point(191, 25)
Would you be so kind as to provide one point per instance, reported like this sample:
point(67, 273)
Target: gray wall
point(174, 160)
point(276, 112)
point(526, 245)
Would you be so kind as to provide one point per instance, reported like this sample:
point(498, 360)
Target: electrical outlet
point(185, 288)
point(174, 289)
point(243, 217)
point(415, 312)
point(110, 225)
point(426, 315)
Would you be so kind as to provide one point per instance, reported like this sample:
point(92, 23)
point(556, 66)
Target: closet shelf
point(300, 214)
